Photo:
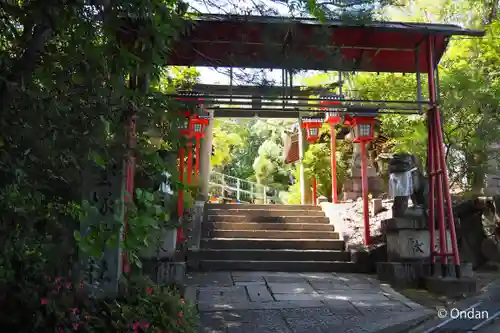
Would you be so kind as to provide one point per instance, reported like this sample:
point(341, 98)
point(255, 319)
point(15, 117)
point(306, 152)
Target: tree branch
point(24, 67)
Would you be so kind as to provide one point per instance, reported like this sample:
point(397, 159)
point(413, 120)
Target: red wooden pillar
point(364, 133)
point(333, 162)
point(440, 169)
point(180, 201)
point(364, 182)
point(431, 165)
point(197, 159)
point(189, 147)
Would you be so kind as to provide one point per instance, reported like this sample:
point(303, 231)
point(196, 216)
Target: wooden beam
point(217, 89)
point(251, 114)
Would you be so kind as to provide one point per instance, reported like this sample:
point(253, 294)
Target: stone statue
point(399, 165)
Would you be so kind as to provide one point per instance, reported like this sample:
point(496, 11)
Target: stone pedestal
point(353, 187)
point(408, 252)
point(162, 247)
point(194, 233)
point(401, 274)
point(408, 238)
point(366, 259)
point(414, 274)
point(450, 286)
point(164, 271)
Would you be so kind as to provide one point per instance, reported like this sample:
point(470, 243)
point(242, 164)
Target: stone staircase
point(285, 238)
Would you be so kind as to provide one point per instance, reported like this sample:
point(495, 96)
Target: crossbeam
point(284, 113)
point(227, 90)
point(241, 106)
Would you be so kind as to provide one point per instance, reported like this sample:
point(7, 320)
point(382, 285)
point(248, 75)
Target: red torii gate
point(306, 44)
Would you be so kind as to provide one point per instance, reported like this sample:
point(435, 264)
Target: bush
point(146, 307)
point(58, 306)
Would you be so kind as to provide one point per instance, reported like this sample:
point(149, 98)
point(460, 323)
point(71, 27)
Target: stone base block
point(165, 272)
point(400, 274)
point(193, 260)
point(450, 286)
point(351, 195)
point(413, 273)
point(366, 260)
point(375, 184)
point(356, 172)
point(466, 270)
point(362, 261)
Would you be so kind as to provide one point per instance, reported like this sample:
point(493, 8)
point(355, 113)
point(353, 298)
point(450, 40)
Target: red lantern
point(197, 126)
point(363, 128)
point(331, 117)
point(312, 126)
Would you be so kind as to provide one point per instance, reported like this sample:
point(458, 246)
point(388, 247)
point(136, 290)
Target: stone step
point(273, 234)
point(266, 226)
point(259, 243)
point(264, 207)
point(271, 255)
point(278, 266)
point(267, 219)
point(264, 212)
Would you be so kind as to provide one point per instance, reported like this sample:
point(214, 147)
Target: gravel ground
point(353, 222)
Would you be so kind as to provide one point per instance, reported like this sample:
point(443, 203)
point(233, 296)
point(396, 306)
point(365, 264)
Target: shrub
point(146, 307)
point(59, 306)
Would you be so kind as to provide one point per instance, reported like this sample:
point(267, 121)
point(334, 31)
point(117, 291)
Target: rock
point(490, 249)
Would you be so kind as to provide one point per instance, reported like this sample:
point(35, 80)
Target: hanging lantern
point(197, 125)
point(363, 127)
point(312, 126)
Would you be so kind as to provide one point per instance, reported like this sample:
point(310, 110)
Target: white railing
point(231, 188)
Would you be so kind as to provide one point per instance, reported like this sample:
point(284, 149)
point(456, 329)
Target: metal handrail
point(241, 190)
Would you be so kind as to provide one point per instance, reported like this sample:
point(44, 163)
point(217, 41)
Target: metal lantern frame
point(197, 126)
point(363, 127)
point(312, 126)
point(331, 117)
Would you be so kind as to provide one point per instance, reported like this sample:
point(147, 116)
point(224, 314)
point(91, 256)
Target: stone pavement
point(265, 302)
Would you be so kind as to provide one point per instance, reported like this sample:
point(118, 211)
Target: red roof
point(276, 42)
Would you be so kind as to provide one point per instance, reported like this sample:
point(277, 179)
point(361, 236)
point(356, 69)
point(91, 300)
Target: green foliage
point(46, 304)
point(408, 132)
point(150, 308)
point(251, 149)
point(227, 135)
point(71, 73)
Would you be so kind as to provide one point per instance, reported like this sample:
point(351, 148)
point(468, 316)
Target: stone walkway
point(265, 302)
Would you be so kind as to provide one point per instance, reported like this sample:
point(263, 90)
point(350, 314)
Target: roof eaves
point(447, 29)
